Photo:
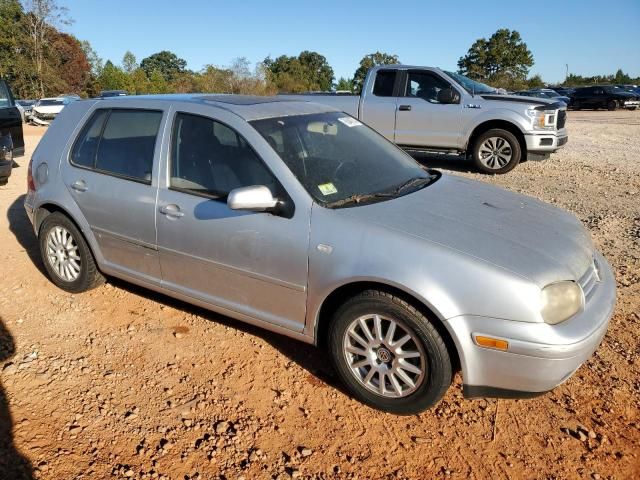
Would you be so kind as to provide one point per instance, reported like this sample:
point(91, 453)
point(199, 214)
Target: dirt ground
point(122, 382)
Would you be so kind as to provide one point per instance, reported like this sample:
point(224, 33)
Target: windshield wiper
point(365, 197)
point(358, 198)
point(413, 182)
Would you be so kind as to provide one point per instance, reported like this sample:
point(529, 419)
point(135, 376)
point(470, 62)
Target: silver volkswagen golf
point(302, 220)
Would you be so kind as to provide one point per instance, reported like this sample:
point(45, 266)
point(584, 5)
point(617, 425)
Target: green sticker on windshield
point(327, 189)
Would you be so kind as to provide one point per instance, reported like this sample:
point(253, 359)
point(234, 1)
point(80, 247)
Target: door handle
point(171, 210)
point(79, 186)
point(404, 108)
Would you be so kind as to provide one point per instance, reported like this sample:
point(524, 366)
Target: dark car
point(564, 91)
point(610, 97)
point(112, 93)
point(544, 93)
point(11, 139)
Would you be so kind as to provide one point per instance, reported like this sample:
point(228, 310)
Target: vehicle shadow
point(311, 358)
point(441, 161)
point(20, 226)
point(13, 465)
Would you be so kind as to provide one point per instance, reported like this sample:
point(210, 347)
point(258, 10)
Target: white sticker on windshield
point(349, 121)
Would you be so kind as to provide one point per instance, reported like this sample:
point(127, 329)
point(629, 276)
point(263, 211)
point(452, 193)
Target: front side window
point(471, 86)
point(425, 85)
point(211, 159)
point(337, 159)
point(385, 80)
point(120, 142)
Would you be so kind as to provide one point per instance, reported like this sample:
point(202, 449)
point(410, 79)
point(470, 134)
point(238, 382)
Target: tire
point(66, 255)
point(385, 357)
point(632, 108)
point(506, 148)
point(612, 105)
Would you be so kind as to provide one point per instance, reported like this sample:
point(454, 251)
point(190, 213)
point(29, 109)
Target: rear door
point(10, 119)
point(421, 120)
point(378, 108)
point(110, 176)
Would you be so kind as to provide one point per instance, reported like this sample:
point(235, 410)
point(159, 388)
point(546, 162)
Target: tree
point(15, 64)
point(318, 71)
point(503, 55)
point(69, 64)
point(621, 78)
point(129, 62)
point(168, 64)
point(307, 71)
point(345, 84)
point(368, 62)
point(42, 16)
point(113, 77)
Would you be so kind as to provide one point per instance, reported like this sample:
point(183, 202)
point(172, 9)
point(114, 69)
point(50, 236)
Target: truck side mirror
point(448, 96)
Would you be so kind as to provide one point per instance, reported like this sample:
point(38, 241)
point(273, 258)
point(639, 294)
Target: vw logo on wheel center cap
point(384, 355)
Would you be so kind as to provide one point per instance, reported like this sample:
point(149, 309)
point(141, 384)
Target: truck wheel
point(496, 151)
point(388, 354)
point(66, 255)
point(612, 105)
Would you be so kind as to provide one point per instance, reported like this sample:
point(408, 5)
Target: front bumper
point(545, 142)
point(631, 104)
point(540, 356)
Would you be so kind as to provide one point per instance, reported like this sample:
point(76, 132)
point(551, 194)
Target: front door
point(10, 120)
point(421, 120)
point(110, 178)
point(254, 264)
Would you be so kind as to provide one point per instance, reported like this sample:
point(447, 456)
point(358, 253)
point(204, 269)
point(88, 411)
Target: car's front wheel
point(496, 151)
point(66, 255)
point(612, 105)
point(388, 354)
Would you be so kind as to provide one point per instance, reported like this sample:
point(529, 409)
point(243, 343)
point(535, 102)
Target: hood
point(624, 94)
point(521, 234)
point(48, 108)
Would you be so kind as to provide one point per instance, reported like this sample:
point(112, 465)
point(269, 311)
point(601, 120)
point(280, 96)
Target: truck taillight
point(31, 186)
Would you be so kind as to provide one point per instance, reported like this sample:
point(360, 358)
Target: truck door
point(378, 103)
point(422, 120)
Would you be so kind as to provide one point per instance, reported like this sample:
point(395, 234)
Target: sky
point(592, 37)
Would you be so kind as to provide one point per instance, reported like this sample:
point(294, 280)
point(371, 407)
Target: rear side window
point(385, 80)
point(119, 142)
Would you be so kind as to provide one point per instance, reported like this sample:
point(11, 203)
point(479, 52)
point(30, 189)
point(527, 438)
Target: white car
point(46, 109)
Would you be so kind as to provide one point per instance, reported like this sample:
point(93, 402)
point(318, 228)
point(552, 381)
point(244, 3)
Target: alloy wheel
point(495, 153)
point(384, 355)
point(62, 254)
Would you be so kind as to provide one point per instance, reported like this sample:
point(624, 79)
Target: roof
point(249, 107)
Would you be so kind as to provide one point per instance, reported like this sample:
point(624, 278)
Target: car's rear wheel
point(612, 105)
point(496, 151)
point(388, 354)
point(66, 255)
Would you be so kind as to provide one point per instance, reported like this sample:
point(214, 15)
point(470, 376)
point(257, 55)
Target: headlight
point(542, 119)
point(561, 301)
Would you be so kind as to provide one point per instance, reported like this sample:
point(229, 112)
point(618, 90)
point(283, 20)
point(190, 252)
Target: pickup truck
point(11, 138)
point(431, 110)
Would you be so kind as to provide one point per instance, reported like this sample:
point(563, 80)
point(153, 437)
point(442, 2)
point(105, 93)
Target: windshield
point(612, 89)
point(336, 158)
point(471, 86)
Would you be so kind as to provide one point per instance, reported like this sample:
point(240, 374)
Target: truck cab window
point(383, 86)
point(425, 85)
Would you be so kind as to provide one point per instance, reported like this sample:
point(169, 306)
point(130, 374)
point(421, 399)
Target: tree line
point(39, 59)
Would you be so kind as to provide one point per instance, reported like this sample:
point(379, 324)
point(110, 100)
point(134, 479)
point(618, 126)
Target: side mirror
point(448, 95)
point(256, 198)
